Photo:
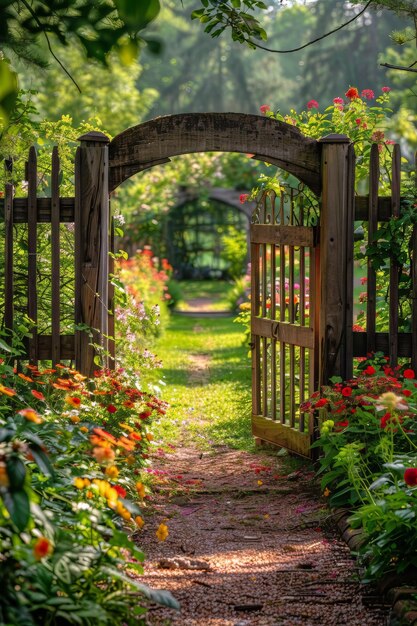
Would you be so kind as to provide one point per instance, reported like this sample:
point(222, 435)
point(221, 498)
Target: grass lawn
point(214, 290)
point(206, 379)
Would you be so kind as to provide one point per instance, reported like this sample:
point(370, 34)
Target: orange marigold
point(103, 455)
point(42, 547)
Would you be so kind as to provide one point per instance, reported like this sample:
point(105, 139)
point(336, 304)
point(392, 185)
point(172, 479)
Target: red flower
point(264, 108)
point(120, 490)
point(358, 121)
point(386, 89)
point(243, 197)
point(410, 476)
point(352, 93)
point(368, 94)
point(338, 101)
point(38, 394)
point(406, 392)
point(111, 408)
point(313, 104)
point(42, 548)
point(321, 402)
point(346, 391)
point(409, 373)
point(369, 370)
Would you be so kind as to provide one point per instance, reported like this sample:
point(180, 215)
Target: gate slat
point(291, 316)
point(255, 339)
point(8, 258)
point(302, 319)
point(282, 363)
point(264, 249)
point(282, 234)
point(273, 316)
point(394, 267)
point(372, 228)
point(55, 255)
point(32, 253)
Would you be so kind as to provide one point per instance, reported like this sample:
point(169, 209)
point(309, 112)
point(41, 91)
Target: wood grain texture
point(8, 259)
point(55, 253)
point(382, 344)
point(281, 435)
point(43, 210)
point(336, 222)
point(32, 253)
point(153, 142)
point(394, 266)
point(372, 228)
point(284, 332)
point(285, 235)
point(414, 287)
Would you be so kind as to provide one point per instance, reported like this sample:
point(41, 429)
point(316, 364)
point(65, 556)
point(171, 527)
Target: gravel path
point(250, 543)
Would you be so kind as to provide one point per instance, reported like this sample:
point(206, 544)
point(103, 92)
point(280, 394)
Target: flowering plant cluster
point(368, 437)
point(71, 450)
point(142, 300)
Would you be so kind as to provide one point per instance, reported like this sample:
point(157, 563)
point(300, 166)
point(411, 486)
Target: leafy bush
point(369, 462)
point(70, 452)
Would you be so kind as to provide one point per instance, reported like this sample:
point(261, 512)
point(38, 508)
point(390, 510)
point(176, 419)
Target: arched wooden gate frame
point(325, 166)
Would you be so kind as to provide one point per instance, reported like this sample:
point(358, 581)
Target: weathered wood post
point(336, 257)
point(92, 230)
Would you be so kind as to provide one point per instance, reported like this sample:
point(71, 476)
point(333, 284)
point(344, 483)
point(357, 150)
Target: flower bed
point(369, 463)
point(71, 450)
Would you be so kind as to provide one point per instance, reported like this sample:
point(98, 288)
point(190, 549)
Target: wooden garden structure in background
point(295, 349)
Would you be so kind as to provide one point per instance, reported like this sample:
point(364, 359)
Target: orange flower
point(4, 478)
point(135, 436)
point(31, 416)
point(112, 471)
point(24, 377)
point(149, 436)
point(140, 488)
point(7, 391)
point(61, 367)
point(43, 547)
point(59, 386)
point(75, 419)
point(73, 401)
point(105, 435)
point(127, 444)
point(140, 523)
point(103, 455)
point(84, 429)
point(162, 532)
point(38, 395)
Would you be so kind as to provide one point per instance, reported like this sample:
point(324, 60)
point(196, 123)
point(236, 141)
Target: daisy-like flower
point(391, 402)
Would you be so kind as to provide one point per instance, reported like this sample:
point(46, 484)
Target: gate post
point(92, 229)
point(336, 258)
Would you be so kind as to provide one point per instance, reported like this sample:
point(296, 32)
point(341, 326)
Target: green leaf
point(8, 91)
point(42, 461)
point(3, 344)
point(18, 506)
point(16, 471)
point(137, 15)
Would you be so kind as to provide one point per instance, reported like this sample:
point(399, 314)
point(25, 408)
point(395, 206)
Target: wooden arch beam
point(154, 142)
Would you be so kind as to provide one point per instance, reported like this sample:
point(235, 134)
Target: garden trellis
point(294, 352)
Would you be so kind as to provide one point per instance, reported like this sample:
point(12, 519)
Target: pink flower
point(264, 108)
point(338, 101)
point(389, 142)
point(313, 104)
point(386, 89)
point(352, 93)
point(243, 197)
point(368, 94)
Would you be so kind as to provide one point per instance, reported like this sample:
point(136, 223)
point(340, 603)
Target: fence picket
point(372, 228)
point(8, 253)
point(394, 267)
point(32, 253)
point(55, 255)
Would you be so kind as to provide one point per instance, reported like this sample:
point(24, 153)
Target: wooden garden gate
point(294, 350)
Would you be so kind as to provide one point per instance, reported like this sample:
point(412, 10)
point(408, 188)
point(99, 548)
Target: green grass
point(211, 405)
point(215, 290)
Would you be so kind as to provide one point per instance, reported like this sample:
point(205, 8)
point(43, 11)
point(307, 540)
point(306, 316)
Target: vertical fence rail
point(8, 254)
point(372, 228)
point(55, 257)
point(394, 267)
point(32, 175)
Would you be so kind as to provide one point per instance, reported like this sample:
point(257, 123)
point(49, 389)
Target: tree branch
point(331, 32)
point(42, 27)
point(399, 67)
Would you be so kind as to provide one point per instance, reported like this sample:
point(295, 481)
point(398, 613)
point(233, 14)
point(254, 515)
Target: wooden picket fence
point(372, 209)
point(56, 210)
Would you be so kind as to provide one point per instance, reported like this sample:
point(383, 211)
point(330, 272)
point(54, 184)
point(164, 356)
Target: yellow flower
point(103, 455)
point(84, 429)
point(162, 532)
point(149, 436)
point(140, 487)
point(260, 483)
point(112, 471)
point(31, 416)
point(139, 521)
point(326, 492)
point(79, 482)
point(75, 419)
